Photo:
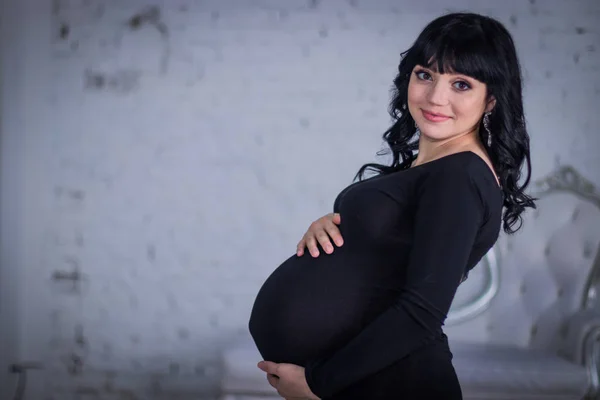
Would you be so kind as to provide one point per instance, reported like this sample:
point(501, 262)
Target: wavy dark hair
point(482, 48)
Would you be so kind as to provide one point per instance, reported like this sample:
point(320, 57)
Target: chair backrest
point(523, 290)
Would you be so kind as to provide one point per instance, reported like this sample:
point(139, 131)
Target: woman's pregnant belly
point(309, 306)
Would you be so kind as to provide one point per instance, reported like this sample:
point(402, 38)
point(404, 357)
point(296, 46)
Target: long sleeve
point(449, 214)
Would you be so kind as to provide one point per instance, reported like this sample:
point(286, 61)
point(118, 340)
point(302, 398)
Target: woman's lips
point(434, 117)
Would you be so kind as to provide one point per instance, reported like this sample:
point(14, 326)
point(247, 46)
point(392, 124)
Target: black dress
point(366, 321)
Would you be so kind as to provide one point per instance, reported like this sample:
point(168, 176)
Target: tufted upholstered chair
point(526, 323)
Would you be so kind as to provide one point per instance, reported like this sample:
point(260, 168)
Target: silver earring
point(418, 131)
point(486, 125)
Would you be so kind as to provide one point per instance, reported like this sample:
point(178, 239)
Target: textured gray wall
point(171, 154)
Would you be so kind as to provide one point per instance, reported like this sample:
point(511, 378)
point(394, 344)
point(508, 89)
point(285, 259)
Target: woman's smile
point(433, 117)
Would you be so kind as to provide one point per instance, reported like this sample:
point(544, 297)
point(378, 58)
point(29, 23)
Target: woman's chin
point(436, 135)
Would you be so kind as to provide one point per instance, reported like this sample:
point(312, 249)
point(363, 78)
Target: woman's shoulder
point(467, 162)
point(464, 177)
point(462, 169)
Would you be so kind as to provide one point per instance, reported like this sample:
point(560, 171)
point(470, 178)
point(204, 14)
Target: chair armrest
point(581, 344)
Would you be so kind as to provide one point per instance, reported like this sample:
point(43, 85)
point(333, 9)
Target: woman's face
point(447, 105)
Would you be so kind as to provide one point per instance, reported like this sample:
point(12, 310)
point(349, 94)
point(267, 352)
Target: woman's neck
point(432, 150)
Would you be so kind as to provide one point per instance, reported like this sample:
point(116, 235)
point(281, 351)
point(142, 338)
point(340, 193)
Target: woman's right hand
point(321, 231)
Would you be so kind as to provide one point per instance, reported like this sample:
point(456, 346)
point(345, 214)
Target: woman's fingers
point(311, 244)
point(323, 240)
point(300, 247)
point(273, 380)
point(328, 231)
point(334, 233)
point(336, 218)
point(320, 233)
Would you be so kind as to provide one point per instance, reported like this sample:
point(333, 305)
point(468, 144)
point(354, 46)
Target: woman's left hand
point(288, 379)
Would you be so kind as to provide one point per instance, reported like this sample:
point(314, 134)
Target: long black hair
point(482, 48)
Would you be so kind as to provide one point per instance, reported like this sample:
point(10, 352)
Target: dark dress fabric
point(426, 374)
point(366, 321)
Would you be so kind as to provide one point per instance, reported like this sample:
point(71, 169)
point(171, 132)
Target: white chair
point(526, 324)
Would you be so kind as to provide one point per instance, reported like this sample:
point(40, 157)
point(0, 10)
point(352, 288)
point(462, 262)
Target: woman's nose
point(438, 94)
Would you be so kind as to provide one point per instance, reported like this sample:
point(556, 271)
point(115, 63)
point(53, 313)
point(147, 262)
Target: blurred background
point(161, 158)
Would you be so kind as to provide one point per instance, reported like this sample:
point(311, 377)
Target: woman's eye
point(423, 75)
point(460, 85)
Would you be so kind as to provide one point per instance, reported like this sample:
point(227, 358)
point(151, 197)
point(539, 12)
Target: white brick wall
point(176, 163)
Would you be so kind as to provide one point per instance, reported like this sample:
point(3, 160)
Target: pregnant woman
point(364, 320)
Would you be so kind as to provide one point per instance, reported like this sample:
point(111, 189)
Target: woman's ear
point(490, 104)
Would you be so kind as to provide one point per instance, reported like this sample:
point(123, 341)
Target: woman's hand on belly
point(288, 379)
point(320, 232)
